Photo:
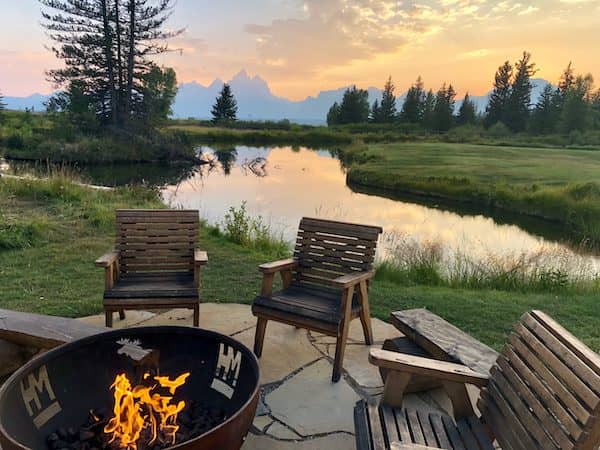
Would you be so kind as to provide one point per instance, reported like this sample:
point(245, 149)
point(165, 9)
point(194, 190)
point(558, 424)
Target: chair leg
point(259, 336)
point(108, 314)
point(340, 348)
point(365, 314)
point(197, 315)
point(122, 314)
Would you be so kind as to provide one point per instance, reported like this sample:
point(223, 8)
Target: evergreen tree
point(577, 108)
point(519, 101)
point(443, 113)
point(160, 89)
point(497, 106)
point(225, 107)
point(546, 113)
point(428, 110)
point(375, 116)
point(566, 79)
point(226, 158)
point(106, 47)
point(412, 109)
point(333, 115)
point(2, 107)
point(388, 103)
point(355, 106)
point(466, 112)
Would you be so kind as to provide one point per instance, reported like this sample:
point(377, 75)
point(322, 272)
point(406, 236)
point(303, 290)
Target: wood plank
point(375, 425)
point(426, 366)
point(415, 427)
point(443, 340)
point(388, 419)
point(346, 228)
point(453, 435)
point(39, 331)
point(361, 425)
point(466, 435)
point(480, 433)
point(402, 422)
point(440, 431)
point(427, 428)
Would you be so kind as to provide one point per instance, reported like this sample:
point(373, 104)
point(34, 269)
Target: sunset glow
point(302, 47)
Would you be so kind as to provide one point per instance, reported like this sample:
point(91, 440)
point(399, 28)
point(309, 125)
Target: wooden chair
point(155, 264)
point(325, 284)
point(542, 393)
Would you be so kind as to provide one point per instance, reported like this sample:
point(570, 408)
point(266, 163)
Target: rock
point(336, 441)
point(132, 318)
point(279, 431)
point(286, 349)
point(356, 363)
point(311, 404)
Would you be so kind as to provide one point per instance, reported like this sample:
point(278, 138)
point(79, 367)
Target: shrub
point(499, 130)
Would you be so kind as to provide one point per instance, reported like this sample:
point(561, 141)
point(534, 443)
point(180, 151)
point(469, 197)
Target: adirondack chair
point(325, 284)
point(542, 393)
point(155, 264)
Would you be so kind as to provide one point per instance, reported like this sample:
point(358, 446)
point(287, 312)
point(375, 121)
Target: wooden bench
point(542, 393)
point(156, 263)
point(43, 332)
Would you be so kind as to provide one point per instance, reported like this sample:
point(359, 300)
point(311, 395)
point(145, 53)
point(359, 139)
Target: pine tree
point(546, 113)
point(2, 104)
point(497, 106)
point(225, 107)
point(375, 116)
point(443, 113)
point(576, 112)
point(466, 112)
point(412, 109)
point(519, 101)
point(355, 106)
point(333, 115)
point(388, 103)
point(566, 79)
point(106, 46)
point(428, 110)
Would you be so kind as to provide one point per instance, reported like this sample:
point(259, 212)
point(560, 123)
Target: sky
point(301, 47)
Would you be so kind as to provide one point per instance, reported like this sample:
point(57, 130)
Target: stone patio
point(300, 408)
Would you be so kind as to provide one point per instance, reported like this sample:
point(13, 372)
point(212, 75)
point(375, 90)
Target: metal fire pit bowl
point(59, 388)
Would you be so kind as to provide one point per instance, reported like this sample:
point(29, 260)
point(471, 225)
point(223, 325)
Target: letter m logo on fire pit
point(40, 409)
point(227, 371)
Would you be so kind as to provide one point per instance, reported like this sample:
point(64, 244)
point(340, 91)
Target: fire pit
point(135, 389)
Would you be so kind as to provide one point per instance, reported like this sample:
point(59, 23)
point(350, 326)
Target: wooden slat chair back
point(325, 250)
point(544, 390)
point(156, 240)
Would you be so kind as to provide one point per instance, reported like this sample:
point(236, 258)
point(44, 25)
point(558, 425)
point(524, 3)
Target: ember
point(195, 420)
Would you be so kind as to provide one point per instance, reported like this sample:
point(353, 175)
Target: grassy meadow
point(558, 184)
point(51, 232)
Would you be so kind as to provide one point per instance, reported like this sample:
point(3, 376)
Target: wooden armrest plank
point(417, 365)
point(200, 257)
point(352, 279)
point(443, 340)
point(107, 259)
point(277, 266)
point(41, 331)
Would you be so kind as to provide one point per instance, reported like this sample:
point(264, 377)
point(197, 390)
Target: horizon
point(435, 38)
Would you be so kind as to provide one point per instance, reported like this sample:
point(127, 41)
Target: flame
point(140, 408)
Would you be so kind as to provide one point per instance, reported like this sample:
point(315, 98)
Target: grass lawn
point(558, 184)
point(59, 229)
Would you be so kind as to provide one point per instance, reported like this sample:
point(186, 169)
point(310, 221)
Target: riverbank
point(559, 185)
point(52, 231)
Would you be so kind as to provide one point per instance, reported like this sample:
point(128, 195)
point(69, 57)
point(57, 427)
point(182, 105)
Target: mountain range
point(257, 102)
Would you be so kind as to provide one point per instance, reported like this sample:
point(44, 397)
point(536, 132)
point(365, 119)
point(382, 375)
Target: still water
point(282, 184)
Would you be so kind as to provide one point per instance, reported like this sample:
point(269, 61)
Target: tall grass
point(549, 269)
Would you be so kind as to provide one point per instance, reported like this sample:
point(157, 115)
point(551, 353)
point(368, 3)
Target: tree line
point(106, 47)
point(572, 105)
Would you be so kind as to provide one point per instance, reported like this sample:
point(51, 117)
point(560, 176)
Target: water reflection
point(282, 185)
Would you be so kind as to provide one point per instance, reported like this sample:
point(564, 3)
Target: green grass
point(55, 273)
point(561, 185)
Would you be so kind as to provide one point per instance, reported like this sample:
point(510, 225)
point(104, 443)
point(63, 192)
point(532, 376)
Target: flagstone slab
point(132, 318)
point(311, 404)
point(286, 349)
point(279, 431)
point(261, 422)
point(381, 331)
point(338, 441)
point(223, 318)
point(356, 363)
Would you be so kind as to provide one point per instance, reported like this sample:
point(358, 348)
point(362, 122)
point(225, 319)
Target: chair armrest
point(200, 257)
point(108, 259)
point(352, 279)
point(278, 266)
point(416, 365)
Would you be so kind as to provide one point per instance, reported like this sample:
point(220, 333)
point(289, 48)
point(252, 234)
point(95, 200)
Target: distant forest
point(570, 107)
